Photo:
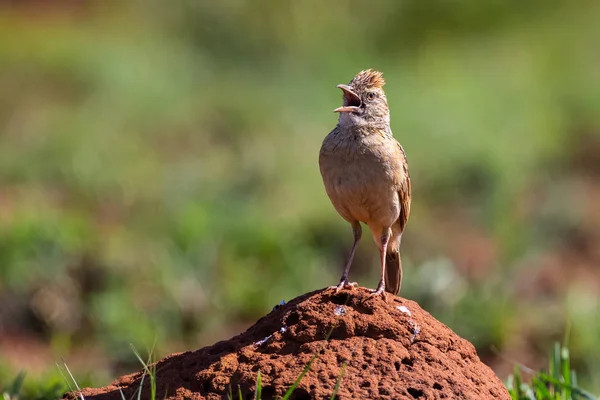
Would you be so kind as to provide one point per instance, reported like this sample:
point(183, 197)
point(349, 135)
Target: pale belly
point(362, 176)
point(367, 195)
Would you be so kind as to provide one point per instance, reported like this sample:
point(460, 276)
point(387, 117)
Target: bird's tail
point(393, 272)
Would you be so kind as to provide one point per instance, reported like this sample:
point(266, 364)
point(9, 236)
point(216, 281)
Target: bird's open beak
point(352, 101)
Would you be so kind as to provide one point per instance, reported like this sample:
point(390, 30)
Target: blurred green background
point(159, 179)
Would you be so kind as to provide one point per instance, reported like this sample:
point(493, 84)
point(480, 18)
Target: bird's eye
point(370, 95)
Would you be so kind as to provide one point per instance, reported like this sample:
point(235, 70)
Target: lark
point(366, 176)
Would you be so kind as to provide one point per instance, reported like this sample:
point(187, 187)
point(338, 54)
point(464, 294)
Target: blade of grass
point(566, 372)
point(240, 393)
point(575, 395)
point(541, 390)
point(64, 377)
point(567, 336)
point(510, 386)
point(555, 365)
point(289, 392)
point(139, 391)
point(558, 384)
point(338, 381)
point(258, 393)
point(517, 383)
point(151, 372)
point(66, 367)
point(16, 385)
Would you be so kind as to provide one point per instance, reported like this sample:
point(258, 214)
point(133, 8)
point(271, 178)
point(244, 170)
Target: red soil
point(393, 350)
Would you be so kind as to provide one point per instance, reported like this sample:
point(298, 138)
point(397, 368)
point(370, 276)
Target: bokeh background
point(159, 182)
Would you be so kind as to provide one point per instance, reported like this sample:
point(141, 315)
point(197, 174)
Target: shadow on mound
point(393, 350)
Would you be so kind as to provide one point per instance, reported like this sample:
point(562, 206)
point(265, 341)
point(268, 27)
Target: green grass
point(149, 370)
point(258, 393)
point(559, 382)
point(13, 389)
point(20, 387)
point(339, 381)
point(291, 389)
point(69, 379)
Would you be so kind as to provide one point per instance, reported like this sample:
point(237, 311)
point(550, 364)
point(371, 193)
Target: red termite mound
point(391, 350)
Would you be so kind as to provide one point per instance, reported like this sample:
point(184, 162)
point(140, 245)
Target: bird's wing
point(404, 190)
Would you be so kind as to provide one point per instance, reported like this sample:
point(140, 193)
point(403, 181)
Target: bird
point(366, 177)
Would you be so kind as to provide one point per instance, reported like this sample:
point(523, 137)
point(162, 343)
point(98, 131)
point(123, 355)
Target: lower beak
point(346, 109)
point(352, 101)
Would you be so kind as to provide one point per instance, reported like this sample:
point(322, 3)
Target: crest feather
point(368, 79)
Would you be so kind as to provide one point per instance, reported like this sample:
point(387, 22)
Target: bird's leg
point(344, 284)
point(385, 238)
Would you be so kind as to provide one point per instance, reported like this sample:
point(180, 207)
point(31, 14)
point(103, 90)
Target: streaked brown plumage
point(366, 175)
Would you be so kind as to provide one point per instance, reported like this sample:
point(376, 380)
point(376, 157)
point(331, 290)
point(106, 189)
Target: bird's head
point(364, 100)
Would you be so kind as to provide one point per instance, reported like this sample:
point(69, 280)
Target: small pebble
point(404, 309)
point(416, 330)
point(340, 310)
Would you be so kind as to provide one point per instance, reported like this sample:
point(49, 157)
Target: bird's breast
point(360, 179)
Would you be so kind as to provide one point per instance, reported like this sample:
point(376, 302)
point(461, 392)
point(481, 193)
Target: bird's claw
point(380, 291)
point(344, 284)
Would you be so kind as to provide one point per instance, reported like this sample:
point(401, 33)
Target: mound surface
point(393, 350)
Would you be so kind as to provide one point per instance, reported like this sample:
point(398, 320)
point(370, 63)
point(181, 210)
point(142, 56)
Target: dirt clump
point(391, 350)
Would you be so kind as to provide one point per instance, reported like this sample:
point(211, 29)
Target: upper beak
point(352, 101)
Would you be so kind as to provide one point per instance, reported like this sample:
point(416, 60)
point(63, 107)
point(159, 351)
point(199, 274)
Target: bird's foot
point(344, 284)
point(380, 291)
